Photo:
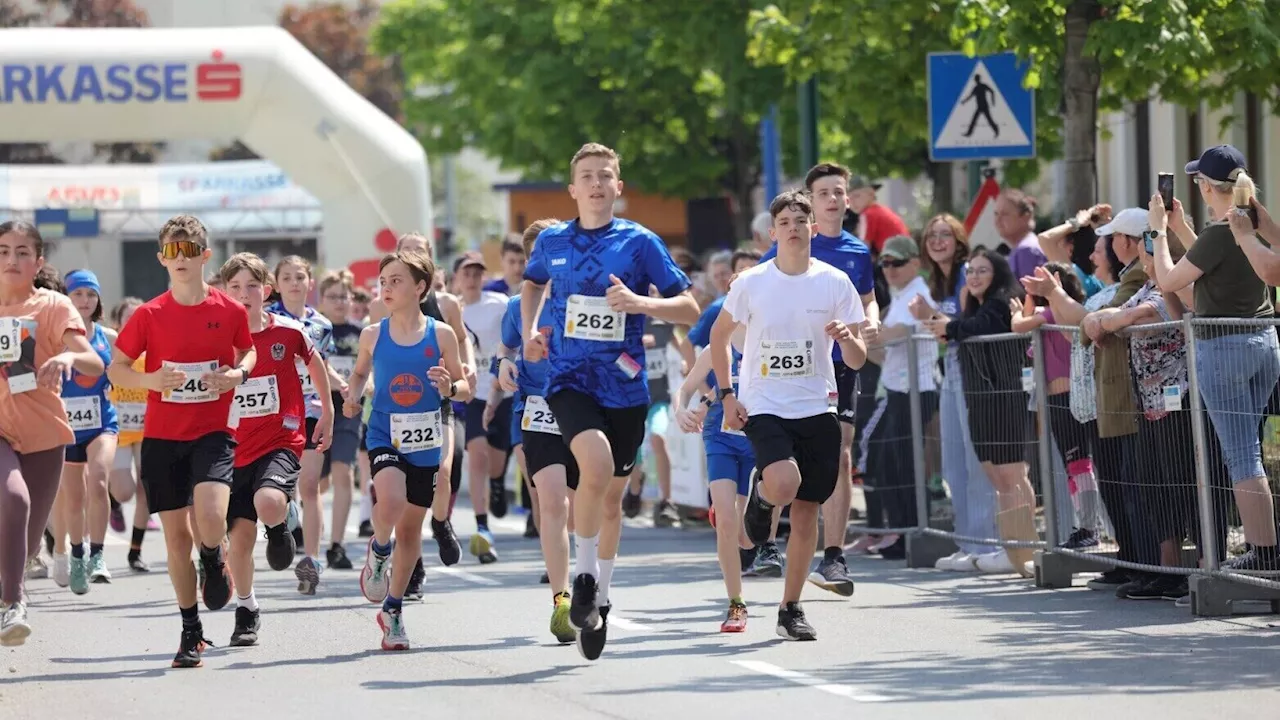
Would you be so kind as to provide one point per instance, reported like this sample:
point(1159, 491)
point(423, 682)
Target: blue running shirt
point(406, 406)
point(611, 367)
point(847, 254)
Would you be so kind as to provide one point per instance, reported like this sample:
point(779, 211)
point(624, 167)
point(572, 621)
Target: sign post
point(979, 108)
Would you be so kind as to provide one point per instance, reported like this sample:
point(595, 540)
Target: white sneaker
point(946, 562)
point(966, 563)
point(62, 569)
point(996, 562)
point(37, 569)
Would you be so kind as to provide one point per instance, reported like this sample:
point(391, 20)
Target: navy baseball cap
point(1217, 163)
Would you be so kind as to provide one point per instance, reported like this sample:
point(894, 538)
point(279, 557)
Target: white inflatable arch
point(257, 84)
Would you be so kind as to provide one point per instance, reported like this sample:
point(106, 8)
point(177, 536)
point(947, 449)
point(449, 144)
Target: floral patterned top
point(1084, 396)
point(1158, 358)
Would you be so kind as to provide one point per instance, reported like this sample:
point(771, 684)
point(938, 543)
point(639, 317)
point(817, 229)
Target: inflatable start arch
point(256, 84)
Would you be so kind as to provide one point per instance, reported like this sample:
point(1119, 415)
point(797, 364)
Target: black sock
point(77, 550)
point(275, 530)
point(213, 554)
point(95, 548)
point(115, 504)
point(833, 553)
point(190, 616)
point(482, 520)
point(138, 534)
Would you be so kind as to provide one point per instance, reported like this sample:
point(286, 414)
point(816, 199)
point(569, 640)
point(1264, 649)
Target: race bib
point(484, 363)
point(655, 362)
point(786, 359)
point(131, 416)
point(194, 390)
point(413, 432)
point(304, 376)
point(589, 318)
point(724, 428)
point(344, 365)
point(84, 413)
point(257, 397)
point(538, 417)
point(10, 340)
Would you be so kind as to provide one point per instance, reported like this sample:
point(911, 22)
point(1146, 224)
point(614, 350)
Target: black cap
point(1217, 163)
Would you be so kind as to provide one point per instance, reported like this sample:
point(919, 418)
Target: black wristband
point(724, 392)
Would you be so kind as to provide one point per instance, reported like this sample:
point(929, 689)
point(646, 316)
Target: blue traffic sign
point(979, 109)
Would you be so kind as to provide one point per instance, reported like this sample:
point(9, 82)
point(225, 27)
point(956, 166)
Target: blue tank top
point(406, 406)
point(714, 438)
point(90, 419)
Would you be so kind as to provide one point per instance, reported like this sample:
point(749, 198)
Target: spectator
point(1015, 223)
point(719, 270)
point(1058, 243)
point(760, 239)
point(876, 223)
point(512, 270)
point(1238, 364)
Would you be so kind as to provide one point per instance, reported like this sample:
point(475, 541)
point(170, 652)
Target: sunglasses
point(185, 248)
point(895, 264)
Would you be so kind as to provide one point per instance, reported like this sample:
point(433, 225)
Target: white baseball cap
point(1130, 221)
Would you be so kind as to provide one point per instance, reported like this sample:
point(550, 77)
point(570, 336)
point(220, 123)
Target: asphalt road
point(909, 644)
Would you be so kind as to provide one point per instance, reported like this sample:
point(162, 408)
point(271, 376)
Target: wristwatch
point(244, 375)
point(1151, 235)
point(453, 389)
point(725, 392)
point(706, 401)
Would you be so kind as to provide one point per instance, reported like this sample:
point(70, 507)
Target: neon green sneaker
point(560, 626)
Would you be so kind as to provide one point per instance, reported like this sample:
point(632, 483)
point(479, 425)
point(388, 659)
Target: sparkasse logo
point(119, 83)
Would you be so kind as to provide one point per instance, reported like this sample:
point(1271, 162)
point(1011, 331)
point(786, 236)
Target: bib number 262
point(589, 318)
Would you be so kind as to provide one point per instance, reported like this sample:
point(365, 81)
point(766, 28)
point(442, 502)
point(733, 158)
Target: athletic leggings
point(28, 485)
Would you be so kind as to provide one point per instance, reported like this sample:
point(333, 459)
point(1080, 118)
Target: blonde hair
point(293, 260)
point(594, 150)
point(532, 232)
point(343, 277)
point(245, 261)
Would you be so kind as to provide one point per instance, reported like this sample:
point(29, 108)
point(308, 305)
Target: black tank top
point(431, 306)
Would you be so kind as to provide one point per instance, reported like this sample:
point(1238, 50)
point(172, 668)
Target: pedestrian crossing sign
point(979, 108)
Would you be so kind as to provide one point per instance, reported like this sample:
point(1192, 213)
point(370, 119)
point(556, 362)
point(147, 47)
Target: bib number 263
point(786, 359)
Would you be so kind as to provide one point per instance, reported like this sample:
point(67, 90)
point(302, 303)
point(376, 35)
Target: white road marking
point(799, 678)
point(629, 625)
point(468, 576)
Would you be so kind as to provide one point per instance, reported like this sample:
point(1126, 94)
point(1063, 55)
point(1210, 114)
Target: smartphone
point(1243, 199)
point(1165, 186)
point(1149, 244)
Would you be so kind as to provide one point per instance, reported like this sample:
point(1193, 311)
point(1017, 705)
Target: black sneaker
point(247, 625)
point(1177, 590)
point(217, 580)
point(1135, 587)
point(1255, 559)
point(1153, 589)
point(530, 528)
point(280, 547)
point(136, 563)
point(631, 504)
point(833, 575)
point(768, 561)
point(545, 579)
point(665, 514)
point(583, 612)
point(792, 624)
point(747, 558)
point(497, 497)
point(366, 528)
point(758, 519)
point(413, 591)
point(1109, 580)
point(446, 541)
point(336, 558)
point(591, 642)
point(1080, 539)
point(190, 646)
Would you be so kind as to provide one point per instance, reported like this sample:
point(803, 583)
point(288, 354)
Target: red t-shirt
point(198, 339)
point(881, 224)
point(272, 414)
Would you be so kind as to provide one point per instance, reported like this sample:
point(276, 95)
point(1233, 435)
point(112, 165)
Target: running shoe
point(366, 529)
point(735, 621)
point(792, 624)
point(631, 504)
point(413, 591)
point(832, 575)
point(37, 568)
point(281, 547)
point(758, 519)
point(583, 612)
point(248, 623)
point(308, 574)
point(62, 569)
point(376, 575)
point(747, 560)
point(482, 546)
point(497, 497)
point(446, 541)
point(190, 646)
point(1080, 539)
point(768, 561)
point(591, 642)
point(98, 572)
point(561, 628)
point(79, 578)
point(117, 519)
point(394, 636)
point(136, 563)
point(665, 514)
point(218, 584)
point(336, 558)
point(545, 579)
point(14, 628)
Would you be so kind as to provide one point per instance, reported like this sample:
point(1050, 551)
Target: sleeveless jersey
point(131, 408)
point(88, 409)
point(405, 411)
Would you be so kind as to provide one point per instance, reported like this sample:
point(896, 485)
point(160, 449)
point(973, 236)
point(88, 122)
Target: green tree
point(1088, 55)
point(663, 82)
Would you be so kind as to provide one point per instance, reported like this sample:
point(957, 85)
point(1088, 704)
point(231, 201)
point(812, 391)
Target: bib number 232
point(589, 318)
point(413, 432)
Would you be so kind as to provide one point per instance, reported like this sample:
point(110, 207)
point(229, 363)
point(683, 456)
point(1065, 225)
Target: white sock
point(250, 602)
point(606, 576)
point(587, 562)
point(366, 505)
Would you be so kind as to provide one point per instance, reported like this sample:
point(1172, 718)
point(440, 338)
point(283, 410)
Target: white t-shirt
point(896, 357)
point(484, 318)
point(786, 362)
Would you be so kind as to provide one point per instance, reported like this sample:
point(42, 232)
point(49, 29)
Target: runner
point(794, 307)
point(293, 281)
point(414, 360)
point(596, 388)
point(828, 185)
point(550, 467)
point(335, 299)
point(269, 416)
point(730, 462)
point(131, 408)
point(487, 448)
point(85, 504)
point(42, 339)
point(658, 336)
point(198, 347)
point(513, 262)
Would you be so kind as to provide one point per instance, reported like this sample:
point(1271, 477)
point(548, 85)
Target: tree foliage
point(664, 82)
